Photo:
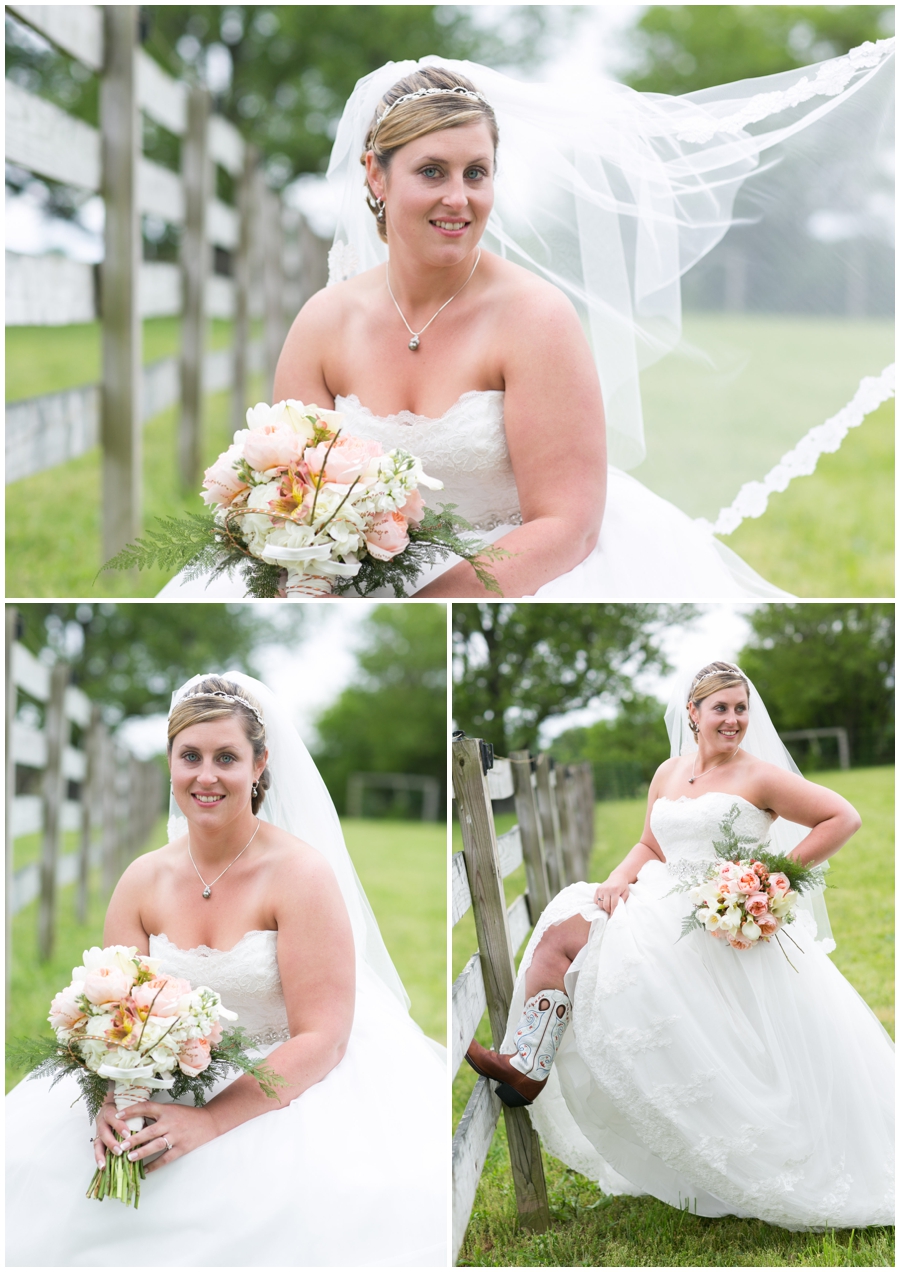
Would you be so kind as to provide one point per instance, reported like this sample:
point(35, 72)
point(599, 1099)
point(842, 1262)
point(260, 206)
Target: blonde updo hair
point(420, 117)
point(713, 678)
point(201, 704)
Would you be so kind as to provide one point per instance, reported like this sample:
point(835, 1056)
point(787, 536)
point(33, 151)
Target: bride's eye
point(431, 171)
point(474, 174)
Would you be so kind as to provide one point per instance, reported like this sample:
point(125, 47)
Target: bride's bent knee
point(566, 939)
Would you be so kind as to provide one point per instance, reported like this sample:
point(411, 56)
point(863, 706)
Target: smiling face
point(213, 771)
point(438, 192)
point(721, 719)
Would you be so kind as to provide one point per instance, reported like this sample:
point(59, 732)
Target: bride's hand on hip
point(172, 1130)
point(608, 895)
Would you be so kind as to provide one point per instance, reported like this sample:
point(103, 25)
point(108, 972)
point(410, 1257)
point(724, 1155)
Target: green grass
point(60, 556)
point(403, 869)
point(589, 1229)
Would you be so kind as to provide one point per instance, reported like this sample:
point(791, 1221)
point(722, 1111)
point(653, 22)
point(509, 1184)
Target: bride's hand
point(608, 895)
point(108, 1121)
point(184, 1128)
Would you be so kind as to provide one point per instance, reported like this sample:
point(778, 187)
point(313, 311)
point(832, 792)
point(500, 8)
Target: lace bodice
point(465, 449)
point(245, 976)
point(686, 828)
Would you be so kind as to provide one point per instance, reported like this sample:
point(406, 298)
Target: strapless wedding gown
point(718, 1080)
point(351, 1173)
point(648, 548)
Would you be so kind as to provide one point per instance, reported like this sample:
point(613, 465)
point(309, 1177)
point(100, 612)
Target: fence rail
point(88, 784)
point(551, 798)
point(271, 260)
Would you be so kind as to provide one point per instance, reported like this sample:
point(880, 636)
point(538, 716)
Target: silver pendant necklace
point(696, 778)
point(414, 343)
point(208, 887)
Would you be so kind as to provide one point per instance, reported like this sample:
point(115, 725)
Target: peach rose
point(768, 925)
point(221, 481)
point(739, 942)
point(349, 458)
point(106, 985)
point(414, 508)
point(779, 884)
point(757, 904)
point(272, 446)
point(161, 996)
point(194, 1056)
point(387, 535)
point(65, 1012)
point(748, 882)
point(759, 870)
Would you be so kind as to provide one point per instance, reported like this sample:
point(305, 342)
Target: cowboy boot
point(521, 1076)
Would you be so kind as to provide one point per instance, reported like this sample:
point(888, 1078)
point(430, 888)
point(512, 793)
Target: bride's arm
point(317, 969)
point(831, 818)
point(553, 415)
point(615, 889)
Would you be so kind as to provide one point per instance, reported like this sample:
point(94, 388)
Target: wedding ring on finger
point(168, 1145)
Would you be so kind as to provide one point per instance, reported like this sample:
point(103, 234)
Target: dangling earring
point(255, 789)
point(379, 214)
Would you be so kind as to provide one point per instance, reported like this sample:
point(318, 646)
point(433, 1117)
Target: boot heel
point(510, 1096)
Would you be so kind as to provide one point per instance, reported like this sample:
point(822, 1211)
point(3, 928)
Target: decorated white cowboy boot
point(521, 1076)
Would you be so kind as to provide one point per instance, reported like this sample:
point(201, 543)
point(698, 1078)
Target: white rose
point(120, 957)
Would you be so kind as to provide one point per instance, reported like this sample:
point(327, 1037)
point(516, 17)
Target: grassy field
point(60, 557)
point(830, 534)
point(589, 1229)
point(402, 866)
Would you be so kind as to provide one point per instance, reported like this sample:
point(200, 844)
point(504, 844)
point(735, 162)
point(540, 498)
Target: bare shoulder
point(532, 299)
point(331, 305)
point(141, 874)
point(667, 769)
point(301, 873)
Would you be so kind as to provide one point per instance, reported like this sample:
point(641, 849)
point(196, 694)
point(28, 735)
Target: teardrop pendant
point(207, 892)
point(414, 343)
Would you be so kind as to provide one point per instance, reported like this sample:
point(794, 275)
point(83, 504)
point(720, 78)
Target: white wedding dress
point(648, 548)
point(721, 1081)
point(351, 1173)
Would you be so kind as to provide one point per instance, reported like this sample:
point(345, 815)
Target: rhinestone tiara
point(229, 697)
point(459, 91)
point(707, 675)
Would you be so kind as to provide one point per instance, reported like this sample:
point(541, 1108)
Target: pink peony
point(387, 536)
point(349, 458)
point(757, 904)
point(161, 996)
point(64, 1010)
point(221, 481)
point(739, 942)
point(194, 1056)
point(414, 508)
point(779, 884)
point(768, 925)
point(272, 446)
point(106, 985)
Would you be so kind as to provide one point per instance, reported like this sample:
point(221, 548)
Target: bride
point(487, 369)
point(727, 1080)
point(256, 897)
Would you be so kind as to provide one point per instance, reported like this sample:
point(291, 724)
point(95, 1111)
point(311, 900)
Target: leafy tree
point(519, 665)
point(394, 719)
point(683, 47)
point(625, 752)
point(131, 657)
point(826, 665)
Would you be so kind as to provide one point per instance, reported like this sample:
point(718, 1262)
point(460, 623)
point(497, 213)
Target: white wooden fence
point(276, 260)
point(96, 788)
point(554, 837)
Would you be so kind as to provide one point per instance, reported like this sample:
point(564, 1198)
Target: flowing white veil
point(614, 196)
point(298, 801)
point(761, 740)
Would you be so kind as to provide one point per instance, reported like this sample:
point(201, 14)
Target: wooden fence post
point(273, 283)
point(120, 426)
point(545, 776)
point(57, 733)
point(492, 928)
point(12, 618)
point(90, 801)
point(196, 173)
point(528, 818)
point(109, 806)
point(242, 274)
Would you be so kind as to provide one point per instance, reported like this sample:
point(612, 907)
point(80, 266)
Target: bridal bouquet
point(304, 509)
point(124, 1021)
point(747, 898)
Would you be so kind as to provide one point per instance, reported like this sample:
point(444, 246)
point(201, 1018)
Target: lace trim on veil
point(831, 79)
point(753, 497)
